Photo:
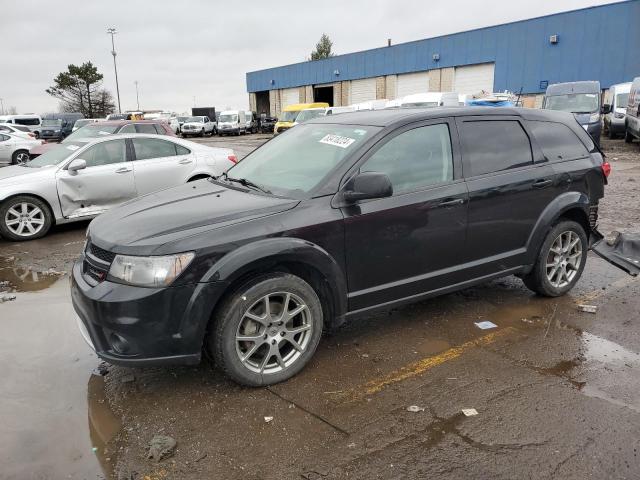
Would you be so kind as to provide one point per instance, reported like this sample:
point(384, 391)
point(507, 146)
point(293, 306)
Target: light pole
point(137, 98)
point(112, 31)
point(1, 106)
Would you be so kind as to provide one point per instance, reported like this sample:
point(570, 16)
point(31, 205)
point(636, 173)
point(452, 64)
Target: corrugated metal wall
point(597, 43)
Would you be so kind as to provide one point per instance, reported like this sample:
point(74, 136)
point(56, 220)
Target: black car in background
point(267, 124)
point(58, 126)
point(336, 218)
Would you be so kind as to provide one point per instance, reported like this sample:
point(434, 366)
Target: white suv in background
point(199, 126)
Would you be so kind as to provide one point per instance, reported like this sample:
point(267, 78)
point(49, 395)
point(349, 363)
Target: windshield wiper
point(246, 183)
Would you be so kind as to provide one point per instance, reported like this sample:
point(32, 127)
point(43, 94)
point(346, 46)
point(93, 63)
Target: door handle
point(123, 170)
point(450, 202)
point(542, 183)
point(185, 161)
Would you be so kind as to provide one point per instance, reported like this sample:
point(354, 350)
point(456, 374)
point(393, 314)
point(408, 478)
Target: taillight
point(606, 169)
point(233, 158)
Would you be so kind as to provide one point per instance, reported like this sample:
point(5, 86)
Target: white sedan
point(17, 130)
point(80, 179)
point(14, 149)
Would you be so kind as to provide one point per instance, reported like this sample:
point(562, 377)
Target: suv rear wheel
point(560, 261)
point(267, 330)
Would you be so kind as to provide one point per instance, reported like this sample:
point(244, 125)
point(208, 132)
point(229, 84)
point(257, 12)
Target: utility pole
point(112, 31)
point(1, 107)
point(137, 98)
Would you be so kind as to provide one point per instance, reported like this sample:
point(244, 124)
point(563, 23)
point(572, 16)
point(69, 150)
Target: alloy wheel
point(274, 333)
point(563, 259)
point(22, 158)
point(24, 219)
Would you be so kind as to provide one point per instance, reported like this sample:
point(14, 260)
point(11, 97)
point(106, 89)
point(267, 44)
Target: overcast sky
point(181, 49)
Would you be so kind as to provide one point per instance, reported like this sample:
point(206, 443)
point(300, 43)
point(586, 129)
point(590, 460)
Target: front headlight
point(595, 117)
point(149, 271)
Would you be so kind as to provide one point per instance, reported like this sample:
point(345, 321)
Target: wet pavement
point(556, 389)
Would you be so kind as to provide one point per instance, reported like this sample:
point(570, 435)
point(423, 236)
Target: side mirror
point(75, 165)
point(368, 185)
point(606, 108)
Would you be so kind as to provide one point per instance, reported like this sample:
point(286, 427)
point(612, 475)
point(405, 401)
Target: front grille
point(101, 254)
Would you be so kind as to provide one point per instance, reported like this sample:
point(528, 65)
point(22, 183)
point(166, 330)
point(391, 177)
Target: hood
point(16, 174)
point(142, 225)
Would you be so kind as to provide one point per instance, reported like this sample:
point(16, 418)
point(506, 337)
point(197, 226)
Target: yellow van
point(290, 113)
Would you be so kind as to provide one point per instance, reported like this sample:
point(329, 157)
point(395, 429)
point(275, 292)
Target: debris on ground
point(485, 325)
point(268, 419)
point(161, 446)
point(7, 298)
point(588, 308)
point(469, 412)
point(415, 409)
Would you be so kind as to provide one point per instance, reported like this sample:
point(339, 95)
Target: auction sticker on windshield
point(73, 148)
point(337, 140)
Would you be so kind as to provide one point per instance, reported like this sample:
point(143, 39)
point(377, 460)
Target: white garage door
point(290, 96)
point(474, 78)
point(363, 90)
point(410, 83)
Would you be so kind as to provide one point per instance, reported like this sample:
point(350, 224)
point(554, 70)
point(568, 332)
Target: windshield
point(289, 116)
point(228, 118)
point(51, 122)
point(82, 123)
point(194, 120)
point(309, 114)
point(421, 104)
point(293, 164)
point(573, 103)
point(622, 100)
point(182, 119)
point(56, 155)
point(93, 130)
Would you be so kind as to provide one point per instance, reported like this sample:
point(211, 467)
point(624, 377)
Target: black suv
point(335, 218)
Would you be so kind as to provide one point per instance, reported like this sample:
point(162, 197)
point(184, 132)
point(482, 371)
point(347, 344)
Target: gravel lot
point(556, 389)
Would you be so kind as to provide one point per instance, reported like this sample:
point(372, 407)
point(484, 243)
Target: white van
point(431, 99)
point(337, 110)
point(232, 122)
point(632, 120)
point(370, 105)
point(33, 122)
point(614, 109)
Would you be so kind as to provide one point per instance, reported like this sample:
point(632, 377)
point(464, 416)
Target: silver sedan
point(81, 179)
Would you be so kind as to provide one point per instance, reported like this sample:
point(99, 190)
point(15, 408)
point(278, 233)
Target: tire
point(37, 134)
point(542, 278)
point(11, 210)
point(270, 334)
point(611, 133)
point(628, 138)
point(201, 133)
point(20, 157)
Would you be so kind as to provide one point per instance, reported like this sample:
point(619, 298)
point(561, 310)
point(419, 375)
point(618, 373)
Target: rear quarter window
point(494, 146)
point(557, 141)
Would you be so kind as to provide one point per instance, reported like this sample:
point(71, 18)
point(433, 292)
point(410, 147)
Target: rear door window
point(557, 141)
point(494, 146)
point(147, 148)
point(146, 128)
point(131, 128)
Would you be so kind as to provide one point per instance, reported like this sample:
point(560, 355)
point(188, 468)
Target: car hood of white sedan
point(17, 174)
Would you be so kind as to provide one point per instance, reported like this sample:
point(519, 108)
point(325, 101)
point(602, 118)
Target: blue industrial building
point(597, 43)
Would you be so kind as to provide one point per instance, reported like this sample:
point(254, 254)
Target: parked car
point(58, 126)
point(17, 130)
point(81, 179)
point(33, 122)
point(431, 99)
point(267, 123)
point(108, 127)
point(232, 122)
point(81, 122)
point(310, 114)
point(580, 98)
point(291, 112)
point(174, 125)
point(198, 126)
point(250, 122)
point(632, 120)
point(614, 109)
point(14, 149)
point(341, 216)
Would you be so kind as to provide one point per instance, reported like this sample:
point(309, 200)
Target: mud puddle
point(52, 419)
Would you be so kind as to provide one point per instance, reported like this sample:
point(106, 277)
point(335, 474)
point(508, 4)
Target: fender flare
point(271, 251)
point(561, 204)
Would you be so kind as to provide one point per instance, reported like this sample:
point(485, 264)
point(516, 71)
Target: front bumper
point(45, 135)
point(228, 130)
point(135, 326)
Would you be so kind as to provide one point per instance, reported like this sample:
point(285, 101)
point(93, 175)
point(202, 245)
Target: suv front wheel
point(560, 261)
point(267, 330)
